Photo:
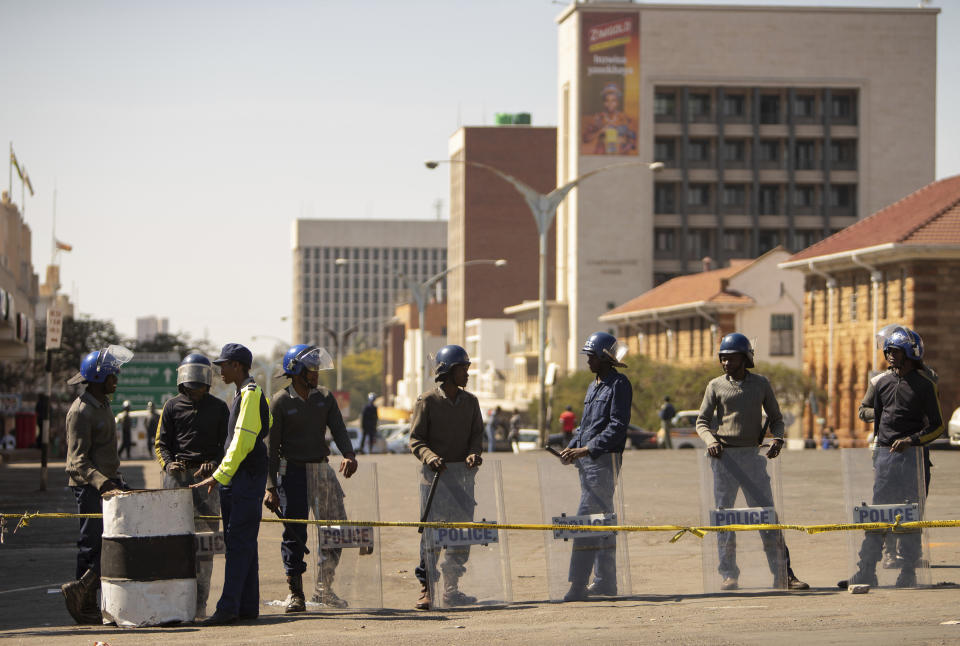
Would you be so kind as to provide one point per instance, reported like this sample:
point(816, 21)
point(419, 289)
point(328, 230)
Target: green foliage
point(180, 343)
point(362, 373)
point(652, 380)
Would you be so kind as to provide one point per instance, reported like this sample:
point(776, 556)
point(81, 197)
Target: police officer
point(93, 464)
point(242, 476)
point(597, 450)
point(189, 446)
point(153, 421)
point(447, 427)
point(736, 399)
point(666, 413)
point(906, 414)
point(126, 423)
point(300, 477)
point(368, 421)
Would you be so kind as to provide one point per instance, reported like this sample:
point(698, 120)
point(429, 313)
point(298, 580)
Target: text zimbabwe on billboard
point(609, 83)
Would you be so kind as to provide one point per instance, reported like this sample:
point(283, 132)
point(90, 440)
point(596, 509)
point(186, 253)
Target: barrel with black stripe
point(148, 560)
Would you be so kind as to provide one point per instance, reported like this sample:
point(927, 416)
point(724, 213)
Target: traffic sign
point(149, 377)
point(54, 328)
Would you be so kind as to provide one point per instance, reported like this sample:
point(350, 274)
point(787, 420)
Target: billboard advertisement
point(609, 83)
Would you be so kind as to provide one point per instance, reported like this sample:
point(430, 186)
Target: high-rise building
point(18, 284)
point(148, 327)
point(489, 219)
point(349, 275)
point(776, 126)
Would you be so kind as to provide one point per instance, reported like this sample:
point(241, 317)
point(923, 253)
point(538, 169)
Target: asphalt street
point(667, 603)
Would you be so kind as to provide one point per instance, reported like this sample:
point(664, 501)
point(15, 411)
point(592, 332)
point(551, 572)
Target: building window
point(734, 106)
point(769, 199)
point(698, 106)
point(804, 238)
point(804, 107)
point(804, 155)
point(698, 243)
point(698, 195)
point(841, 196)
point(769, 108)
point(733, 241)
point(665, 106)
point(781, 335)
point(769, 153)
point(843, 154)
point(664, 198)
point(664, 150)
point(768, 240)
point(813, 306)
point(698, 151)
point(665, 241)
point(803, 196)
point(734, 195)
point(841, 108)
point(854, 296)
point(734, 150)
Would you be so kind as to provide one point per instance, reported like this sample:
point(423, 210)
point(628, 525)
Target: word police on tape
point(455, 537)
point(743, 516)
point(209, 543)
point(337, 536)
point(909, 512)
point(587, 519)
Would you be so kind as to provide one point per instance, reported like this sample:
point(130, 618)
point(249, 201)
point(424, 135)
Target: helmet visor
point(884, 333)
point(112, 358)
point(615, 353)
point(196, 373)
point(316, 359)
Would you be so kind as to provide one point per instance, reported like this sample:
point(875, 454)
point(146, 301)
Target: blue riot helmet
point(886, 331)
point(446, 358)
point(305, 357)
point(734, 343)
point(907, 340)
point(194, 372)
point(100, 364)
point(605, 346)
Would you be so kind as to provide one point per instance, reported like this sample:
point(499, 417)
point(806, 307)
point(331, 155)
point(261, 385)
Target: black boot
point(81, 598)
point(295, 601)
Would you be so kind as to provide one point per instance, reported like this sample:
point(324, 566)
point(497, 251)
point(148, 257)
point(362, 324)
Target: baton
point(553, 451)
point(426, 508)
point(306, 550)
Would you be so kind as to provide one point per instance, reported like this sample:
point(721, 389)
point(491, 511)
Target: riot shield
point(346, 558)
point(465, 566)
point(741, 487)
point(587, 492)
point(878, 486)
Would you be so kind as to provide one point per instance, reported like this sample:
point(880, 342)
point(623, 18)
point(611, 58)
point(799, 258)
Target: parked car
point(637, 438)
point(397, 437)
point(356, 436)
point(953, 429)
point(528, 440)
point(683, 435)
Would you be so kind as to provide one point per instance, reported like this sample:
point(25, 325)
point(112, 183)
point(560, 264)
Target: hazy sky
point(185, 137)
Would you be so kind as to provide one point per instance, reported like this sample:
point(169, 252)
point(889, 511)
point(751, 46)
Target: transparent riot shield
point(878, 486)
point(587, 492)
point(465, 566)
point(741, 487)
point(346, 558)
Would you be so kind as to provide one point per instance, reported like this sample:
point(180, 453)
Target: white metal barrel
point(148, 560)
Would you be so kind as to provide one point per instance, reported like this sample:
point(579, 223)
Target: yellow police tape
point(25, 518)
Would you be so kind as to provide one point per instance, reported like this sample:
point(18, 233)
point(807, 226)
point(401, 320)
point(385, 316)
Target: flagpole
point(10, 179)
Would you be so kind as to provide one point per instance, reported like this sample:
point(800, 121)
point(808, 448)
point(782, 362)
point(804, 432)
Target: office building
point(18, 284)
point(776, 126)
point(349, 276)
point(148, 327)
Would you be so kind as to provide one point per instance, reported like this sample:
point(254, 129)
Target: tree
point(362, 374)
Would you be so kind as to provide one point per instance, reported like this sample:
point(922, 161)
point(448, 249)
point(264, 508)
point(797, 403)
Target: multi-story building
point(776, 126)
point(489, 219)
point(901, 265)
point(148, 327)
point(349, 275)
point(18, 284)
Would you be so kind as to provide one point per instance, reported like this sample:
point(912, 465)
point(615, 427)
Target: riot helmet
point(100, 364)
point(194, 372)
point(446, 358)
point(907, 340)
point(605, 346)
point(734, 343)
point(305, 357)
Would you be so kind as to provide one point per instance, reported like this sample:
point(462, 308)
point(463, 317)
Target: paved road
point(660, 487)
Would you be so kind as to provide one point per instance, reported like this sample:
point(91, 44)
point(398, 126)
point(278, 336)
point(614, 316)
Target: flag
point(63, 246)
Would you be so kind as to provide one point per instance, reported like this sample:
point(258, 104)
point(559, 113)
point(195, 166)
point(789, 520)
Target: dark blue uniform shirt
point(606, 414)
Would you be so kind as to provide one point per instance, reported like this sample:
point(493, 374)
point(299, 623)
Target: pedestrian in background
point(568, 422)
point(368, 421)
point(153, 421)
point(666, 414)
point(126, 424)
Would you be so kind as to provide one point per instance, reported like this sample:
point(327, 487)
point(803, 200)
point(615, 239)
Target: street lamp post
point(544, 209)
point(420, 293)
point(339, 339)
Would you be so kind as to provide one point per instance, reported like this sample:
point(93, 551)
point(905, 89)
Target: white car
point(141, 449)
point(528, 439)
point(397, 437)
point(953, 429)
point(683, 435)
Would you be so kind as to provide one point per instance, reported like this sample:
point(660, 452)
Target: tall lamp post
point(544, 209)
point(339, 338)
point(420, 293)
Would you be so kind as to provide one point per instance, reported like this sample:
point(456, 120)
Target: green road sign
point(143, 381)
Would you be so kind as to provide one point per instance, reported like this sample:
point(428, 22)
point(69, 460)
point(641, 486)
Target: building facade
point(148, 327)
point(350, 275)
point(19, 287)
point(490, 220)
point(776, 126)
point(901, 265)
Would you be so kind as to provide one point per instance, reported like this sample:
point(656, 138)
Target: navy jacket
point(606, 415)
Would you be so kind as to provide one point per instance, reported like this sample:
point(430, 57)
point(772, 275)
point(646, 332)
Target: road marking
point(33, 587)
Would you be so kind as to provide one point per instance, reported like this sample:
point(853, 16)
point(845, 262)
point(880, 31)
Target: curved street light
point(544, 209)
